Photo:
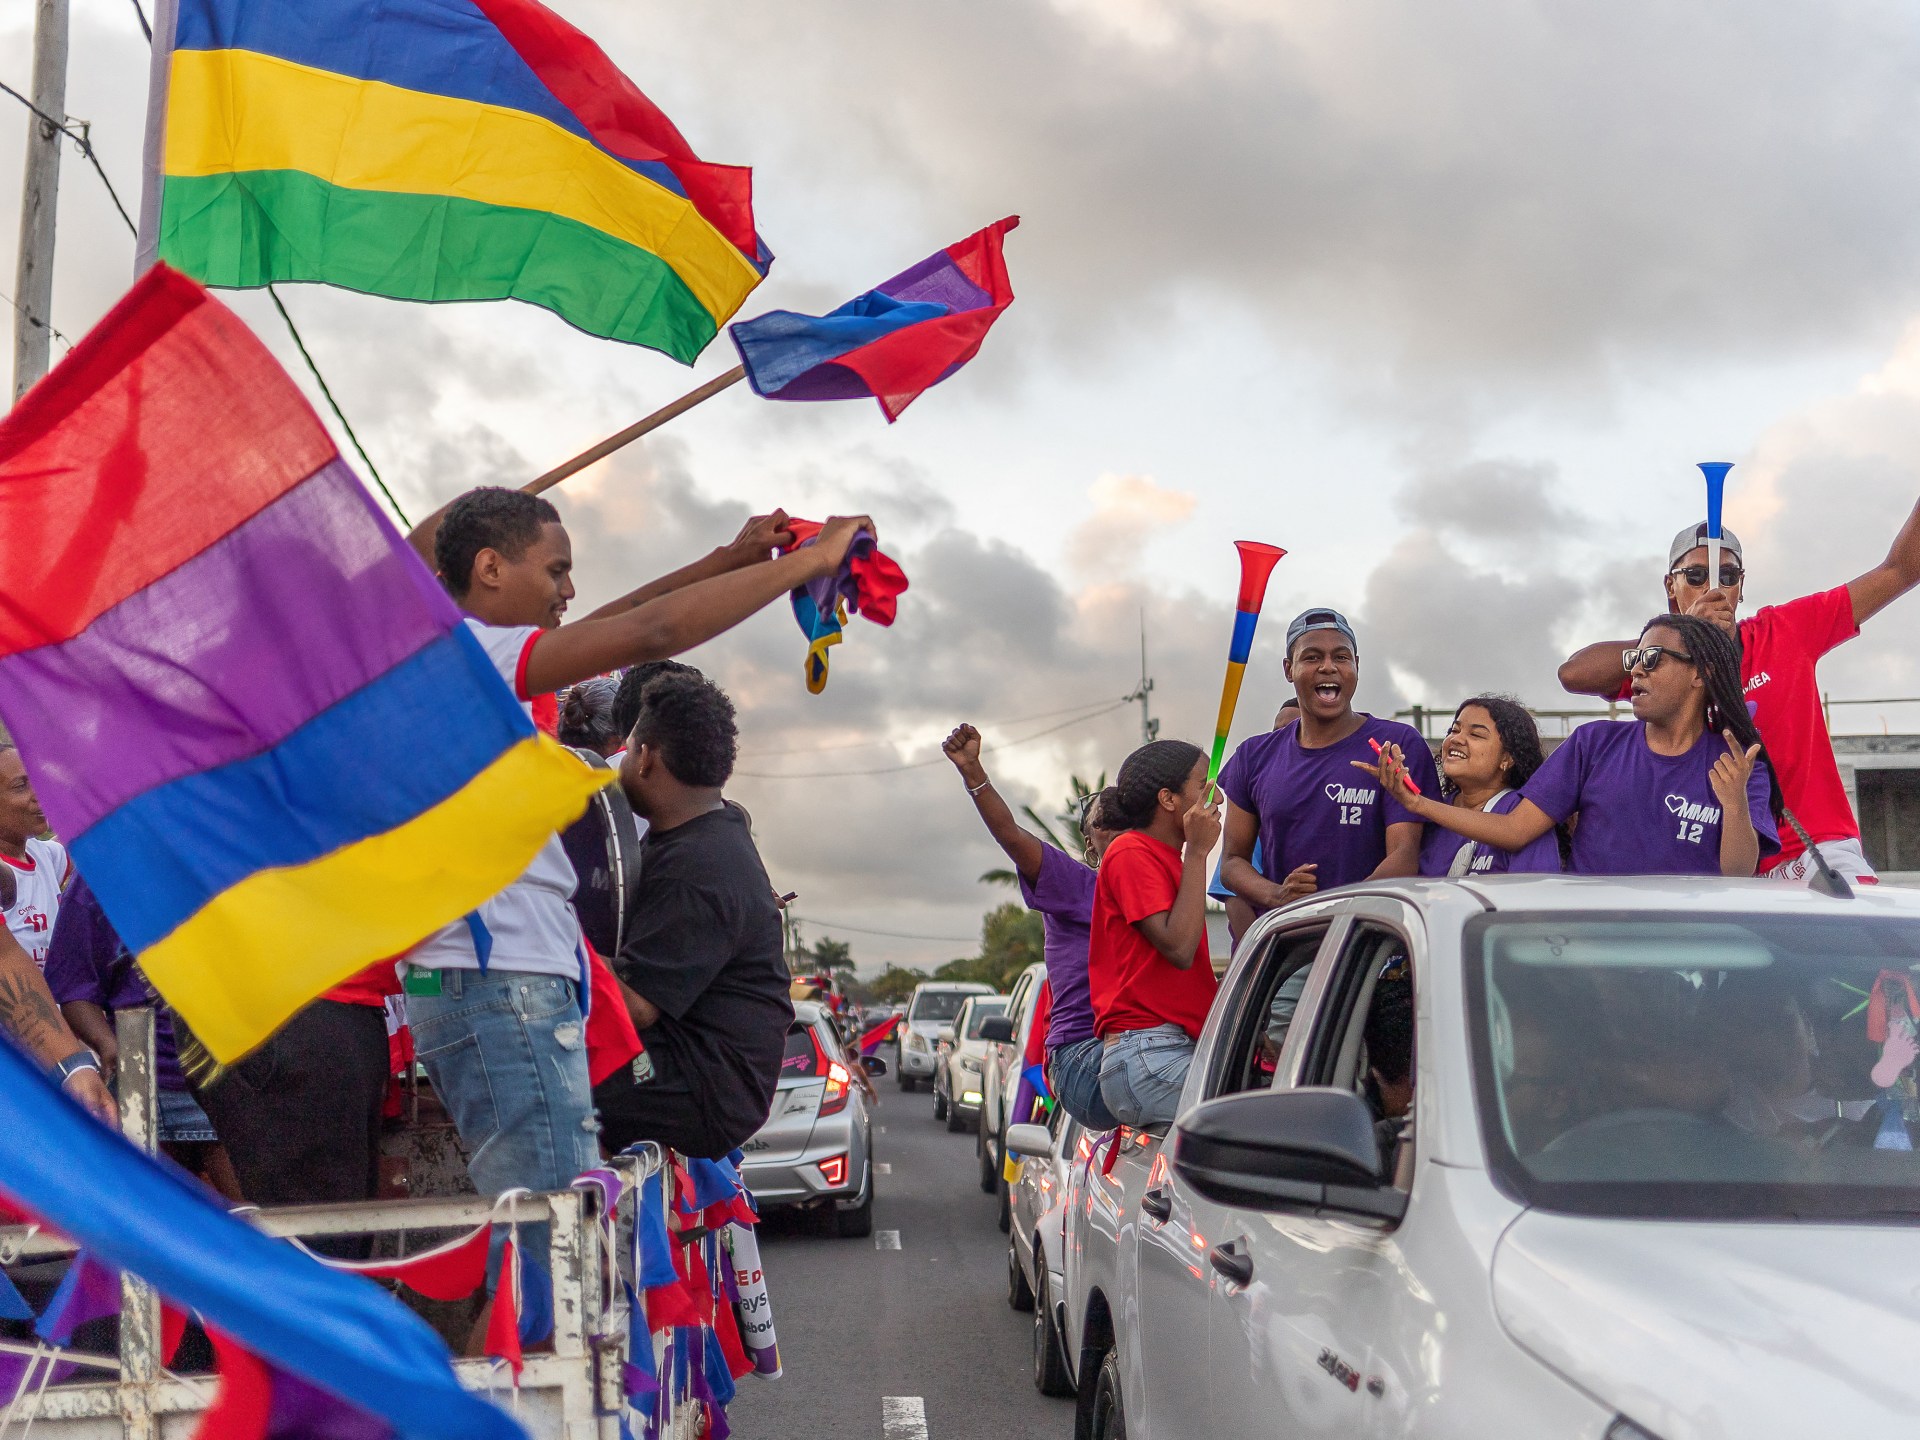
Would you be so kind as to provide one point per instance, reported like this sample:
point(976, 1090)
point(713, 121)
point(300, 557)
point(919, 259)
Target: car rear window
point(803, 1056)
point(938, 1004)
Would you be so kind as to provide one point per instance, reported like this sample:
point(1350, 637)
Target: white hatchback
point(1538, 1156)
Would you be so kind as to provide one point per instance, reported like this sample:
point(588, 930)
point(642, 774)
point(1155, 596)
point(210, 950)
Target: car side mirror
point(873, 1065)
point(1312, 1148)
point(946, 1034)
point(997, 1028)
point(1033, 1141)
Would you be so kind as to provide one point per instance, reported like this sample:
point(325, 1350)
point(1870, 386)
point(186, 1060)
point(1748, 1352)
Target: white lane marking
point(903, 1417)
point(886, 1239)
point(881, 1167)
point(883, 1129)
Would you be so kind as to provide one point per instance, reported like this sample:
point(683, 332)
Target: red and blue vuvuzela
point(892, 342)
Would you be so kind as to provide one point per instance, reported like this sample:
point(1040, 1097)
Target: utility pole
point(33, 279)
point(1149, 727)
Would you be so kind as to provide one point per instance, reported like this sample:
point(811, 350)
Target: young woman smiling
point(1491, 750)
point(1678, 790)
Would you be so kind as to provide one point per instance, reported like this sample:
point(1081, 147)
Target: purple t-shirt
point(1439, 846)
point(86, 960)
point(1063, 894)
point(1314, 807)
point(1642, 813)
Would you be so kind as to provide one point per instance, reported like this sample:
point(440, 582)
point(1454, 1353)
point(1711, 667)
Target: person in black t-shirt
point(700, 967)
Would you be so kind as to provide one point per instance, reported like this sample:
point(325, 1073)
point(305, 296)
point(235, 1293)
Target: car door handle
point(1232, 1260)
point(1157, 1203)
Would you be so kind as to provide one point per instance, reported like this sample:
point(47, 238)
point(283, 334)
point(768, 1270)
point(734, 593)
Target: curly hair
point(1716, 659)
point(1519, 737)
point(626, 699)
point(689, 720)
point(489, 518)
point(1135, 793)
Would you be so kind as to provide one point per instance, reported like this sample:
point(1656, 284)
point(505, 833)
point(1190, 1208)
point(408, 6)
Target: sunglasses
point(1696, 575)
point(1648, 657)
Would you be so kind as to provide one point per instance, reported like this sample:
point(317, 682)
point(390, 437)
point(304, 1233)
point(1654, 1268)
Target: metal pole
point(33, 278)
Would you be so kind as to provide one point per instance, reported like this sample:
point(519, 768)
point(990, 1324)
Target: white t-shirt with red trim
point(38, 881)
point(533, 926)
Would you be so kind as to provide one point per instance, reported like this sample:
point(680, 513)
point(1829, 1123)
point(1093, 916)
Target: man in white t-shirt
point(494, 999)
point(38, 869)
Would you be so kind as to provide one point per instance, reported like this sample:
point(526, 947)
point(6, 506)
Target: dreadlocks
point(1716, 659)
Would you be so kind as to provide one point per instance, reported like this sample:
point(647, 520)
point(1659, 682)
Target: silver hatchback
point(816, 1148)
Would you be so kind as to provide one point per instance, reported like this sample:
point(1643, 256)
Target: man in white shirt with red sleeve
point(38, 868)
point(495, 999)
point(1780, 647)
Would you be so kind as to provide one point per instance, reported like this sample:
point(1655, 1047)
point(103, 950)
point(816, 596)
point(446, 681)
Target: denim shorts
point(1143, 1072)
point(182, 1121)
point(1074, 1072)
point(507, 1054)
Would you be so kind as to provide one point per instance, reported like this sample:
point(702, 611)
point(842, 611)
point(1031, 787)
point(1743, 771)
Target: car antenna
point(1828, 881)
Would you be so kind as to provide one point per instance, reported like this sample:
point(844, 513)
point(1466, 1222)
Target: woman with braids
point(1491, 750)
point(1149, 973)
point(1678, 790)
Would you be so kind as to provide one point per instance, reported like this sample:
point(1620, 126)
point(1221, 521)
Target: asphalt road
point(898, 1344)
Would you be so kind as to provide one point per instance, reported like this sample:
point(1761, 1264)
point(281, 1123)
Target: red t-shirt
point(1779, 647)
point(1132, 985)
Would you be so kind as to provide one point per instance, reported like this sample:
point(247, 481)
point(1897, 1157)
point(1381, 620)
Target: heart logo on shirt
point(1333, 791)
point(1676, 803)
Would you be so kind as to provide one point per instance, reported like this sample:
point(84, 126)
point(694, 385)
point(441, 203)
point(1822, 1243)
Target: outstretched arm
point(754, 545)
point(1515, 830)
point(1892, 577)
point(1594, 669)
point(1026, 851)
point(664, 627)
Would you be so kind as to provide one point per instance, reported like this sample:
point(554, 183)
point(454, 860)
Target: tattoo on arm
point(28, 1013)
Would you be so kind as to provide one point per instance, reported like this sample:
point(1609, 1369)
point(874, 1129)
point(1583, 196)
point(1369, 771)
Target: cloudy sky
point(1446, 299)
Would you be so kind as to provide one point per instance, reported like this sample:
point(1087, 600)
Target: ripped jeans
point(507, 1054)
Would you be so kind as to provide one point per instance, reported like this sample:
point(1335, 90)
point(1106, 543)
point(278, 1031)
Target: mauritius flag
point(271, 744)
point(892, 342)
point(437, 150)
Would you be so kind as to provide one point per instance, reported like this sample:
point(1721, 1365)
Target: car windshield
point(1752, 1067)
point(941, 1005)
point(983, 1010)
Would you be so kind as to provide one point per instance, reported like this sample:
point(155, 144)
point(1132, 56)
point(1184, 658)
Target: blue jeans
point(507, 1054)
point(1143, 1072)
point(1075, 1072)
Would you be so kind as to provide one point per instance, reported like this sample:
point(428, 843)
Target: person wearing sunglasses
point(1779, 648)
point(1681, 789)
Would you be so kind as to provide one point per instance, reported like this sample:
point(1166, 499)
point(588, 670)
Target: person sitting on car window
point(700, 968)
point(1388, 1033)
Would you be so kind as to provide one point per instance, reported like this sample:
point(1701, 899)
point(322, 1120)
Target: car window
point(1263, 1012)
point(1363, 1038)
point(940, 1005)
point(803, 1059)
point(982, 1011)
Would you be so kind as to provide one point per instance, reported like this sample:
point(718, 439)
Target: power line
point(885, 934)
point(1106, 709)
point(83, 139)
point(866, 744)
point(33, 319)
point(338, 413)
point(145, 28)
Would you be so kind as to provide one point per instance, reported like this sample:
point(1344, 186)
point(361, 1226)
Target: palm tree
point(1069, 819)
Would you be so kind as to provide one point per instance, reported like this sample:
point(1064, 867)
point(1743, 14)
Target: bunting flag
point(133, 1213)
point(258, 1400)
point(892, 342)
point(438, 150)
point(258, 722)
point(874, 1036)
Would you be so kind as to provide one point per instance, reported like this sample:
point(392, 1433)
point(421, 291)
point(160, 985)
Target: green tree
point(896, 983)
point(831, 955)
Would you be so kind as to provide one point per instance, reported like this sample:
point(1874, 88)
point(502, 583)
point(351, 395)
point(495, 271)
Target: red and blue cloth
point(892, 342)
point(874, 1036)
point(867, 583)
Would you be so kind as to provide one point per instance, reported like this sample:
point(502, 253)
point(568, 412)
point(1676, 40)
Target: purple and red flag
point(893, 342)
point(259, 1400)
point(877, 1035)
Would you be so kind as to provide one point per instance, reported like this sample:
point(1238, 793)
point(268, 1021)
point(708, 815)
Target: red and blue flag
point(893, 342)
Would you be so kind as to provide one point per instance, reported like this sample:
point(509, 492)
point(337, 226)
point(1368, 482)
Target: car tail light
point(839, 1088)
point(833, 1170)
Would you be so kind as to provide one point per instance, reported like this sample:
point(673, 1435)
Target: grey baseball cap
point(1320, 618)
point(1694, 536)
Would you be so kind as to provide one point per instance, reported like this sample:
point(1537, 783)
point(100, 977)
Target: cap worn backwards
point(1694, 536)
point(1319, 618)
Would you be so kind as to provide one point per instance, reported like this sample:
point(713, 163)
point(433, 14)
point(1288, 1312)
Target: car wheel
point(906, 1080)
point(1005, 1218)
point(1050, 1375)
point(956, 1122)
point(858, 1222)
point(989, 1162)
point(940, 1106)
point(1109, 1414)
point(1019, 1293)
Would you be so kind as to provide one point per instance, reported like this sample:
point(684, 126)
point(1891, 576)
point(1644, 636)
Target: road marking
point(887, 1240)
point(883, 1129)
point(903, 1417)
point(881, 1167)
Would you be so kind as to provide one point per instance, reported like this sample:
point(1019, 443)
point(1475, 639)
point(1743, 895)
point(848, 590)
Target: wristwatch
point(80, 1060)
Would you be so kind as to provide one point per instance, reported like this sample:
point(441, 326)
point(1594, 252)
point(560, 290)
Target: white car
point(1036, 1236)
point(1642, 1180)
point(957, 1062)
point(930, 1010)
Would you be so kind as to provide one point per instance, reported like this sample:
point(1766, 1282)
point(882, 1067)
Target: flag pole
point(634, 431)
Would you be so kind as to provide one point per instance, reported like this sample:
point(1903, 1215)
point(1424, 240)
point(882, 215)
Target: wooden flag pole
point(634, 431)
